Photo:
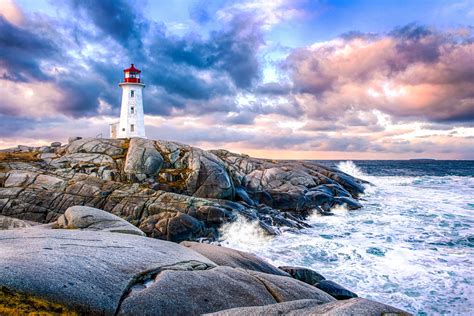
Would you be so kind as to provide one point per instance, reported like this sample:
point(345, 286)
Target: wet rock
point(224, 256)
point(87, 272)
point(335, 290)
point(355, 306)
point(89, 218)
point(305, 275)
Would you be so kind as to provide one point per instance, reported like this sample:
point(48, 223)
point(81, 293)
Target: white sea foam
point(244, 234)
point(410, 246)
point(351, 168)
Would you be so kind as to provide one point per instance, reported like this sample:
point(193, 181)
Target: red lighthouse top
point(132, 74)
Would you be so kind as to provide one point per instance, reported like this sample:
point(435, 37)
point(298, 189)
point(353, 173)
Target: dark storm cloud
point(116, 18)
point(273, 88)
point(181, 72)
point(22, 50)
point(12, 126)
point(232, 50)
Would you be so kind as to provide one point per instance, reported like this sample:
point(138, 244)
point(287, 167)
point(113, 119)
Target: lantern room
point(132, 74)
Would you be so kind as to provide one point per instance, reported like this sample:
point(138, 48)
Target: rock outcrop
point(169, 190)
point(73, 271)
point(89, 218)
point(355, 306)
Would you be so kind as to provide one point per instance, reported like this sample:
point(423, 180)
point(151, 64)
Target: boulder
point(89, 218)
point(12, 223)
point(87, 272)
point(224, 256)
point(335, 290)
point(305, 275)
point(173, 226)
point(143, 160)
point(73, 138)
point(205, 291)
point(355, 306)
point(172, 190)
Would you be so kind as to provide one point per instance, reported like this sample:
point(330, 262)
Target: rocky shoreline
point(77, 221)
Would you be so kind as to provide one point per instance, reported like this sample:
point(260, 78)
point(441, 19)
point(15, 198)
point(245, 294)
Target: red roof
point(132, 69)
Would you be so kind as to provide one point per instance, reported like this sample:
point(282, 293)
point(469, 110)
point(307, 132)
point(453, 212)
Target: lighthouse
point(132, 122)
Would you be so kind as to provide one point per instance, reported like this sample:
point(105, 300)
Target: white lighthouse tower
point(132, 122)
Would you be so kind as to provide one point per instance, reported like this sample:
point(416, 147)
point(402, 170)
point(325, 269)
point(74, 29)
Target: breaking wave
point(410, 246)
point(351, 168)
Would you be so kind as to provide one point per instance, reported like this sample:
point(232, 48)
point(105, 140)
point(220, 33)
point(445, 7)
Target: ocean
point(410, 246)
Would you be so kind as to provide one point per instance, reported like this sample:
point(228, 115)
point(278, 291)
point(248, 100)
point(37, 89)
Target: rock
point(244, 196)
point(75, 160)
point(55, 144)
point(89, 218)
point(305, 275)
point(87, 272)
point(171, 190)
point(73, 138)
point(205, 291)
point(355, 306)
point(12, 223)
point(173, 226)
point(110, 147)
point(335, 290)
point(143, 160)
point(224, 256)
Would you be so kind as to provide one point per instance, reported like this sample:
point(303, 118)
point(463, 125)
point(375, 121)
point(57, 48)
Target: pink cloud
point(429, 76)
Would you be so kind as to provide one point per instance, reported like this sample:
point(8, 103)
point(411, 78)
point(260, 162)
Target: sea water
point(410, 246)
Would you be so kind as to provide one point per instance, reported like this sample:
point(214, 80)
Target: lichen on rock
point(170, 190)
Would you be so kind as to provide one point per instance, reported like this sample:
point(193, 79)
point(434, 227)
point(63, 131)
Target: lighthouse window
point(132, 128)
point(132, 110)
point(132, 93)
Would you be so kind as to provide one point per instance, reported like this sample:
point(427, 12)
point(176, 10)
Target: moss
point(15, 303)
point(124, 145)
point(179, 177)
point(20, 156)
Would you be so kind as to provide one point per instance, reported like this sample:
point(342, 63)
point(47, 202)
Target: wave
point(243, 234)
point(351, 168)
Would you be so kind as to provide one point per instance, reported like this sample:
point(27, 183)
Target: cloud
point(116, 18)
point(407, 92)
point(22, 52)
point(410, 73)
point(10, 12)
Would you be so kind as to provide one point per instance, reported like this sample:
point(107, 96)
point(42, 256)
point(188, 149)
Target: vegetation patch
point(19, 156)
point(15, 303)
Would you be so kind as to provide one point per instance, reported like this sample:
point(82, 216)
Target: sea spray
point(244, 233)
point(410, 246)
point(351, 168)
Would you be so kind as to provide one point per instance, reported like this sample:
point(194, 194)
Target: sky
point(289, 79)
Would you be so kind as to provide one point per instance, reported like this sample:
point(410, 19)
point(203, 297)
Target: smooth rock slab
point(224, 256)
point(85, 271)
point(355, 306)
point(89, 218)
point(197, 292)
